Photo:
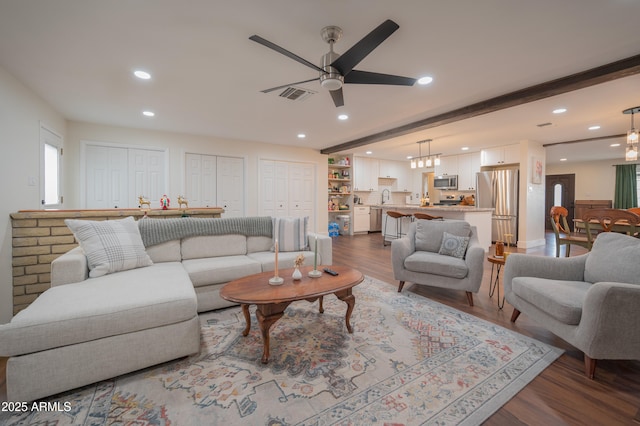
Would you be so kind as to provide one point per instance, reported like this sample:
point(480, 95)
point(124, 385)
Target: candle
point(276, 249)
point(315, 256)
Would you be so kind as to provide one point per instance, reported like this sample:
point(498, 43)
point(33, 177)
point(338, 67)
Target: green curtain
point(626, 195)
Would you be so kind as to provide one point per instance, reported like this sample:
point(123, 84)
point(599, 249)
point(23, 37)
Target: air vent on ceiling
point(543, 124)
point(296, 93)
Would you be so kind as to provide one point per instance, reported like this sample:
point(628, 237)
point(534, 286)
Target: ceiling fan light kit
point(337, 70)
point(631, 153)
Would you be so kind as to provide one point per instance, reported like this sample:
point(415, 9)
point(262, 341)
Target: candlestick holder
point(315, 273)
point(276, 280)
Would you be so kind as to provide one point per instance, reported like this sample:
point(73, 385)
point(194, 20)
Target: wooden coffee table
point(272, 300)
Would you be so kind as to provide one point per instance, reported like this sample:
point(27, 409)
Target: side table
point(494, 284)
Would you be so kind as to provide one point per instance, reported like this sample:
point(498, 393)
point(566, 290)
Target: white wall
point(178, 145)
point(531, 232)
point(21, 112)
point(595, 180)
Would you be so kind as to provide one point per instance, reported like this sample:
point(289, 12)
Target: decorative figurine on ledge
point(181, 201)
point(164, 202)
point(143, 201)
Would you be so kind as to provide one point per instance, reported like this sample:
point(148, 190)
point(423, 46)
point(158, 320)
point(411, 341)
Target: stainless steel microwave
point(446, 182)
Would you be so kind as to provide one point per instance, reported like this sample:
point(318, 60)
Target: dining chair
point(564, 236)
point(635, 210)
point(609, 220)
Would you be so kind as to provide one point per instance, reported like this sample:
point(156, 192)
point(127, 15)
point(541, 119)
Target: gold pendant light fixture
point(631, 153)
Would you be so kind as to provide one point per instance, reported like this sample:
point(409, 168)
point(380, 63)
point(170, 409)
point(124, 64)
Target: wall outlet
point(32, 181)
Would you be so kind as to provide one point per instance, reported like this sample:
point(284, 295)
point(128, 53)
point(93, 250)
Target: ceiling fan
point(337, 69)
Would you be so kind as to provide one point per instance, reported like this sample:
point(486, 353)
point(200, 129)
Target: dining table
point(620, 226)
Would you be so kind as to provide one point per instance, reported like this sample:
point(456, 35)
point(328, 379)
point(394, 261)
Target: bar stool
point(426, 216)
point(398, 219)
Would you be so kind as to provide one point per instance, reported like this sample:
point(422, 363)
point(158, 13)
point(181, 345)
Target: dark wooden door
point(560, 190)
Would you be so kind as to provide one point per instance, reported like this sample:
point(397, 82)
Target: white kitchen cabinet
point(468, 166)
point(365, 174)
point(509, 154)
point(361, 219)
point(448, 166)
point(398, 170)
point(387, 169)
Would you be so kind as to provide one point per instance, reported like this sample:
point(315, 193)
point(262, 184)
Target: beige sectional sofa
point(86, 329)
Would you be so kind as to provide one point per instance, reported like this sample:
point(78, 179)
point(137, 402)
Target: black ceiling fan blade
point(337, 97)
point(366, 77)
point(352, 57)
point(284, 52)
point(290, 84)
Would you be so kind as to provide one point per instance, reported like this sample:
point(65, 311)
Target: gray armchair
point(591, 301)
point(428, 256)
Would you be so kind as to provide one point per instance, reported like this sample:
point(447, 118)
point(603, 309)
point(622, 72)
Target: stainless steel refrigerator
point(498, 190)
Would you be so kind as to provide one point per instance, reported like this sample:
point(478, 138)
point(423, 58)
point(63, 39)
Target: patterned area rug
point(409, 361)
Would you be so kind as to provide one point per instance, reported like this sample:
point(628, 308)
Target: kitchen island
point(478, 217)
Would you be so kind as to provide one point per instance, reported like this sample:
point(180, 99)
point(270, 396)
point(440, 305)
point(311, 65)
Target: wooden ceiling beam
point(619, 69)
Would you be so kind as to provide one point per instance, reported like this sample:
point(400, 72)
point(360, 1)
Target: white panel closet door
point(281, 190)
point(267, 188)
point(146, 168)
point(106, 177)
point(208, 177)
point(287, 189)
point(193, 170)
point(230, 186)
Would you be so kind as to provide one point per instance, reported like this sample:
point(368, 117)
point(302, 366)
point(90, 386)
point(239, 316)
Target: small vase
point(297, 275)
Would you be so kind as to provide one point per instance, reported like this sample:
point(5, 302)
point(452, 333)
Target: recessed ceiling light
point(425, 80)
point(559, 110)
point(614, 145)
point(594, 127)
point(148, 113)
point(343, 117)
point(563, 159)
point(142, 74)
point(301, 136)
point(465, 148)
point(369, 152)
point(409, 157)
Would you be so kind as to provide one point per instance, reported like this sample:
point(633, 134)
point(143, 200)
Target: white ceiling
point(207, 75)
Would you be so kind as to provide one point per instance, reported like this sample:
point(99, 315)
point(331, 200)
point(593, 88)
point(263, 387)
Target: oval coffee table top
point(256, 290)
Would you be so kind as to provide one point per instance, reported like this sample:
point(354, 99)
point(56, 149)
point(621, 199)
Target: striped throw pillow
point(291, 233)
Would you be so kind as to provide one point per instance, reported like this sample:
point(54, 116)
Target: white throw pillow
point(110, 245)
point(291, 233)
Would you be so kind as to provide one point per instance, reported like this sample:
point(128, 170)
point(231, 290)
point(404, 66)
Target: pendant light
point(631, 153)
point(429, 161)
point(420, 162)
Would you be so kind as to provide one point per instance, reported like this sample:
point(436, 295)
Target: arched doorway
point(560, 191)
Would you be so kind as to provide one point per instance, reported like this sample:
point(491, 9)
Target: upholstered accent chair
point(439, 253)
point(591, 301)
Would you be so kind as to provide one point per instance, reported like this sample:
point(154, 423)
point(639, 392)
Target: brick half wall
point(40, 236)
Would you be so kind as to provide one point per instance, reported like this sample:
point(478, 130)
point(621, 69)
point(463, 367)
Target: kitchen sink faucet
point(388, 195)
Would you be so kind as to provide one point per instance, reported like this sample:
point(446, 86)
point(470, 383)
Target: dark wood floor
point(560, 395)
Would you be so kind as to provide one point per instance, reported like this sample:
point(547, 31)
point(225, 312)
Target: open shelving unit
point(340, 187)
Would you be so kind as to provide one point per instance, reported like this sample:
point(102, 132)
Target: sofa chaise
point(136, 304)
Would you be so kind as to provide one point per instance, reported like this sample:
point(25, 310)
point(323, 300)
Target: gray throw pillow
point(453, 245)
